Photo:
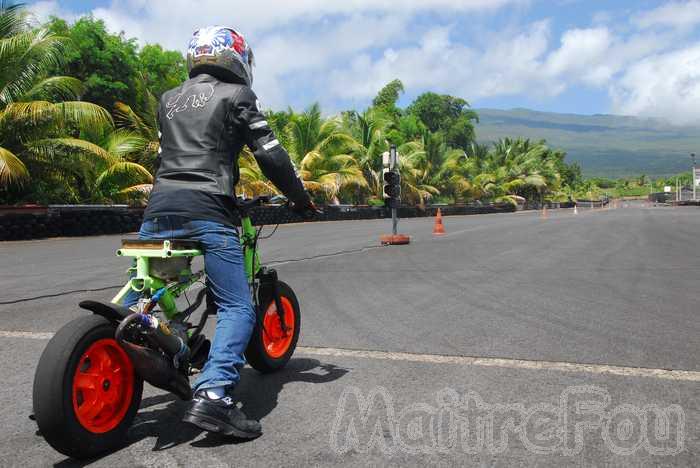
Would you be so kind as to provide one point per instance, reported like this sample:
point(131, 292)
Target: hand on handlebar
point(306, 210)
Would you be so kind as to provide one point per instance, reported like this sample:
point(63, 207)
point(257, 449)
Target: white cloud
point(439, 64)
point(168, 20)
point(666, 85)
point(45, 9)
point(345, 51)
point(290, 38)
point(683, 14)
point(582, 54)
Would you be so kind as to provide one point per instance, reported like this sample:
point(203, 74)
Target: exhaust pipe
point(153, 366)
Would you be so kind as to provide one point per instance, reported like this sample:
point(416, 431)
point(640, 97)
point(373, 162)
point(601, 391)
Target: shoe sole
point(210, 424)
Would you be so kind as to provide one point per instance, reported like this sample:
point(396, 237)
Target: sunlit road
point(507, 316)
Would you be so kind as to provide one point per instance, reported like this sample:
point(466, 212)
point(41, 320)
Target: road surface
point(511, 340)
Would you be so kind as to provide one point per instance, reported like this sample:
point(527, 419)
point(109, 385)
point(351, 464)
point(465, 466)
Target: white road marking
point(664, 374)
point(28, 335)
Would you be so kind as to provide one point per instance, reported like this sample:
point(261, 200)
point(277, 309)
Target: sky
point(631, 57)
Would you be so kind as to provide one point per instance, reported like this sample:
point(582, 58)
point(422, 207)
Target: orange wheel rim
point(275, 340)
point(103, 386)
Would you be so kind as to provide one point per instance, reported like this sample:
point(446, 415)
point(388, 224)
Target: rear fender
point(112, 312)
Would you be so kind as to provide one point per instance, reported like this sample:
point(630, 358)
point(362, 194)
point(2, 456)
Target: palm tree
point(32, 104)
point(421, 167)
point(252, 181)
point(369, 131)
point(321, 148)
point(101, 161)
point(516, 168)
point(143, 123)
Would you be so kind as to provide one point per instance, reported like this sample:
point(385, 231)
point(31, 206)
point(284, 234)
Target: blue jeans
point(227, 282)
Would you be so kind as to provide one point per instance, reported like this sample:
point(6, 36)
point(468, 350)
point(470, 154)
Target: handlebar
point(245, 204)
point(248, 203)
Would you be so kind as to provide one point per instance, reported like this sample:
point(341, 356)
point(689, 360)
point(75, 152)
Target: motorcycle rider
point(204, 124)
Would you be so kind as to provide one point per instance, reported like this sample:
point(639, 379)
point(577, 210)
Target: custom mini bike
point(89, 381)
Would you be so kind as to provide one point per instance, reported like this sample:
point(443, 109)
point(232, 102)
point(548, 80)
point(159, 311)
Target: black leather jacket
point(204, 124)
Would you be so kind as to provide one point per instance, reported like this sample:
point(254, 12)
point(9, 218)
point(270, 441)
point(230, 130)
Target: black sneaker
point(222, 416)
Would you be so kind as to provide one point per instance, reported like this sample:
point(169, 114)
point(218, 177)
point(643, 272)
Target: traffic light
point(392, 184)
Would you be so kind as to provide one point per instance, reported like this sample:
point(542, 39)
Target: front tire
point(270, 348)
point(86, 393)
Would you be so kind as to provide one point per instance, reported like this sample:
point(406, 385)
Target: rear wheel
point(270, 346)
point(86, 393)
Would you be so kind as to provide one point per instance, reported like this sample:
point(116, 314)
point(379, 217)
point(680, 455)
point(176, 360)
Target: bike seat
point(175, 244)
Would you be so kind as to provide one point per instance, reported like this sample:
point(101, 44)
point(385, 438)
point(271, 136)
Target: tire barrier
point(35, 222)
point(592, 203)
point(548, 204)
point(24, 226)
point(686, 203)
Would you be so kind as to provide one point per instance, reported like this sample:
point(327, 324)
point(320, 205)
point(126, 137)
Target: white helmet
point(221, 52)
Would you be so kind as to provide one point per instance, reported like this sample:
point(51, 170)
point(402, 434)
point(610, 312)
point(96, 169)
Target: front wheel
point(86, 393)
point(270, 347)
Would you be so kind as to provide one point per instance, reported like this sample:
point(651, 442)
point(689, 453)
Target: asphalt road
point(576, 325)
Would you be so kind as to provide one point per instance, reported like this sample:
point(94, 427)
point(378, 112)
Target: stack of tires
point(24, 226)
point(68, 223)
point(91, 223)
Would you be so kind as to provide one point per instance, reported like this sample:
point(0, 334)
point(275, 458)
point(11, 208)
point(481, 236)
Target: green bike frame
point(141, 280)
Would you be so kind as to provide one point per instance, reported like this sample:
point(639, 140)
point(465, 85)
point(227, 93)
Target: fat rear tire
point(53, 392)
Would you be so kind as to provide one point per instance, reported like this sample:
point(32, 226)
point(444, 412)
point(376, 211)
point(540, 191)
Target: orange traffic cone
point(544, 212)
point(575, 209)
point(438, 229)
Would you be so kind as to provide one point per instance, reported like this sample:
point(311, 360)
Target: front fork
point(268, 279)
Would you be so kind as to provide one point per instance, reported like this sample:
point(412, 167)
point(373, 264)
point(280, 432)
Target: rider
point(204, 124)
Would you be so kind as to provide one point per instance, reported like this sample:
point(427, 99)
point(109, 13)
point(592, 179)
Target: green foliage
point(446, 114)
point(639, 186)
point(106, 63)
point(112, 67)
point(570, 173)
point(161, 69)
point(603, 182)
point(31, 104)
point(388, 96)
point(76, 152)
point(278, 122)
point(321, 150)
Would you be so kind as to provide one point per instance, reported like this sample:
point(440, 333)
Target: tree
point(369, 131)
point(161, 69)
point(446, 114)
point(279, 122)
point(34, 104)
point(252, 182)
point(406, 128)
point(570, 174)
point(510, 169)
point(143, 123)
point(106, 63)
point(431, 167)
point(388, 96)
point(320, 148)
point(100, 161)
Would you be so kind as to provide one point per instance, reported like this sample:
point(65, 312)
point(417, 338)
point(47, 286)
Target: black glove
point(306, 208)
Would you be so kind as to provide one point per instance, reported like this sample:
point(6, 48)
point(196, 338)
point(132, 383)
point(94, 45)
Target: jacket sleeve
point(272, 158)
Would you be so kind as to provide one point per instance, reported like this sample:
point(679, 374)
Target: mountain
point(604, 145)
